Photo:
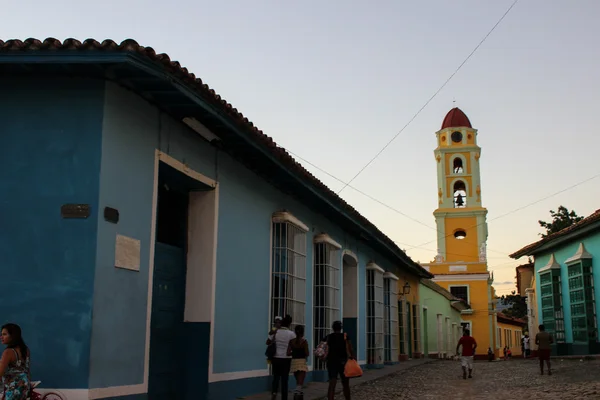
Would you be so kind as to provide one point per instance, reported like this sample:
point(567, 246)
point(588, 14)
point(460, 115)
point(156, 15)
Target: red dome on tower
point(456, 118)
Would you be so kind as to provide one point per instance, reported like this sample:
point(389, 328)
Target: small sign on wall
point(458, 268)
point(127, 253)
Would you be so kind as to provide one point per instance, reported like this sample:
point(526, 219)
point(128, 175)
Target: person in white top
point(281, 362)
point(526, 346)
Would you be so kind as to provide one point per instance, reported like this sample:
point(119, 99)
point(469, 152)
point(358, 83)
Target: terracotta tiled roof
point(510, 320)
point(456, 118)
point(531, 248)
point(204, 91)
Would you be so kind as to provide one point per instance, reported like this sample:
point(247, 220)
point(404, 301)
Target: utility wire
point(522, 207)
point(390, 208)
point(430, 99)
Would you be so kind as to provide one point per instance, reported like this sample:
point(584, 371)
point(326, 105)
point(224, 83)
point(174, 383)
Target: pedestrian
point(339, 351)
point(14, 364)
point(509, 353)
point(281, 362)
point(544, 341)
point(505, 353)
point(527, 345)
point(490, 354)
point(469, 345)
point(298, 349)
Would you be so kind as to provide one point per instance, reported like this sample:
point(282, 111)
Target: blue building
point(151, 233)
point(567, 285)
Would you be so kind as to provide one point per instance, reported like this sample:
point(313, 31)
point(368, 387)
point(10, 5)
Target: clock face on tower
point(456, 137)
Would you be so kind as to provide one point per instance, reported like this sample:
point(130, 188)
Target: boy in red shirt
point(469, 345)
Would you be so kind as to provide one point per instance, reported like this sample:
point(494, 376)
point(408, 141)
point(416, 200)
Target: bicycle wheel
point(52, 396)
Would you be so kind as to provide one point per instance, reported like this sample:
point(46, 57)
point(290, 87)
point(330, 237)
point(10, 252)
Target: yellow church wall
point(444, 268)
point(480, 318)
point(467, 249)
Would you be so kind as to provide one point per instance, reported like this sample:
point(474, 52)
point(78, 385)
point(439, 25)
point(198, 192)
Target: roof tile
point(175, 68)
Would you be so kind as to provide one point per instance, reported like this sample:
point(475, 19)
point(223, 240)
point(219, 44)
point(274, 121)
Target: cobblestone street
point(516, 379)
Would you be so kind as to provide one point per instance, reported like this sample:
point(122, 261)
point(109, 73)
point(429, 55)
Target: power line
point(523, 207)
point(430, 99)
point(390, 208)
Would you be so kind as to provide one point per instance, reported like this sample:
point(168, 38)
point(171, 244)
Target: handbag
point(321, 351)
point(271, 348)
point(351, 369)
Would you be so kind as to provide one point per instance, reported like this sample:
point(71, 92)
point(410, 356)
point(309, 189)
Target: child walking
point(298, 349)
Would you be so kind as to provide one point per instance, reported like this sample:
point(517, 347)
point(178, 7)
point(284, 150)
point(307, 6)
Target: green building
point(441, 322)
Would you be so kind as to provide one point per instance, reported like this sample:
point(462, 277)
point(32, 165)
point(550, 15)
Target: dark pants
point(281, 370)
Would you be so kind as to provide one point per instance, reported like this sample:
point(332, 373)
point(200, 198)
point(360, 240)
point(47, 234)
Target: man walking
point(469, 345)
point(543, 340)
point(526, 346)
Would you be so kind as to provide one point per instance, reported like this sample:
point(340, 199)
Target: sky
point(334, 81)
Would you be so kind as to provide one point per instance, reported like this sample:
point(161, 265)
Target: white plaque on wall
point(457, 268)
point(127, 253)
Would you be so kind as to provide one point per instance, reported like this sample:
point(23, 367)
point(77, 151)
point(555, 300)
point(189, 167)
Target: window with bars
point(449, 341)
point(390, 320)
point(462, 292)
point(326, 293)
point(375, 334)
point(583, 304)
point(416, 328)
point(401, 329)
point(552, 312)
point(288, 280)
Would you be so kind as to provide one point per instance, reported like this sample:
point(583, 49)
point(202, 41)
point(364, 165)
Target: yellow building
point(461, 263)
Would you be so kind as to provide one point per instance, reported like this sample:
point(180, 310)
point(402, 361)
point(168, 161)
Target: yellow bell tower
point(460, 265)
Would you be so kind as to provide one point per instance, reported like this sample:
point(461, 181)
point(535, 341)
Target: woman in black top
point(339, 350)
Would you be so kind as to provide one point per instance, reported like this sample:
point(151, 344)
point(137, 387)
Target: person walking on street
point(544, 341)
point(281, 362)
point(469, 345)
point(526, 346)
point(339, 351)
point(298, 349)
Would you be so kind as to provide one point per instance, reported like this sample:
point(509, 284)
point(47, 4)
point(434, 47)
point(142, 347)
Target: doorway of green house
point(425, 334)
point(179, 352)
point(409, 336)
point(350, 298)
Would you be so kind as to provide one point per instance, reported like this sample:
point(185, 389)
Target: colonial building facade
point(461, 263)
point(152, 233)
point(566, 286)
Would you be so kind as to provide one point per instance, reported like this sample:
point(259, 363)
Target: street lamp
point(406, 288)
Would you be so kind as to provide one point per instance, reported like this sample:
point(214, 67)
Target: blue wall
point(561, 254)
point(51, 133)
point(132, 130)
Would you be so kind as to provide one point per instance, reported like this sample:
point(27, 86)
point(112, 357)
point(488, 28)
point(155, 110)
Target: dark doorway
point(168, 289)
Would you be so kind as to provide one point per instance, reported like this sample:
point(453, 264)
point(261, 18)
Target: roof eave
point(155, 69)
point(544, 246)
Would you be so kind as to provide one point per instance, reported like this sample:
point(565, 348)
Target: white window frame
point(499, 333)
point(470, 322)
point(468, 291)
point(375, 334)
point(390, 314)
point(326, 309)
point(288, 261)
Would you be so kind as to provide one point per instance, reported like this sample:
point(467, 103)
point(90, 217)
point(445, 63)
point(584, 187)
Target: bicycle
point(38, 396)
